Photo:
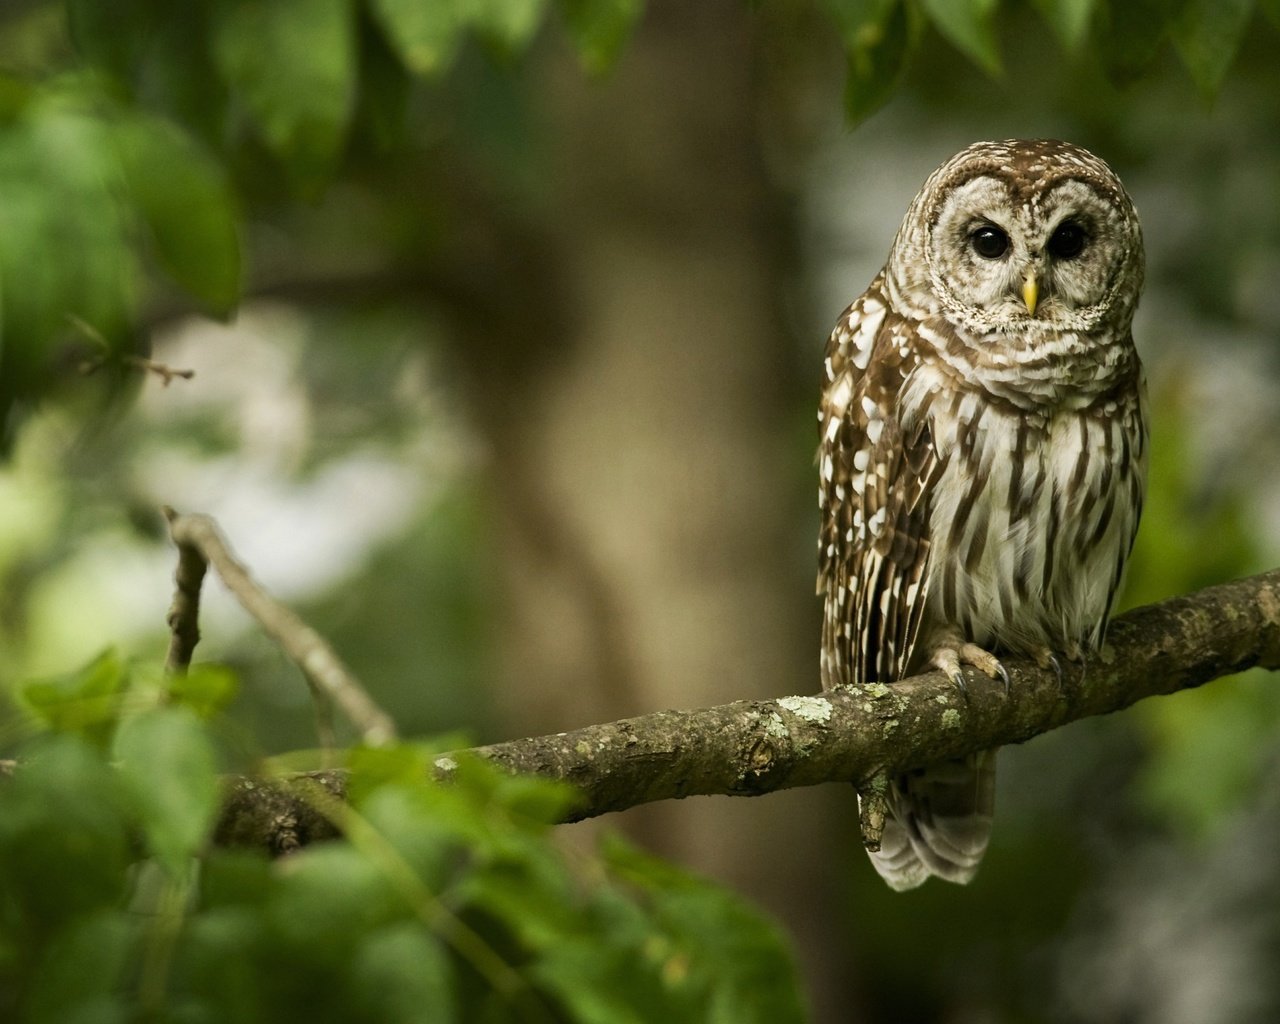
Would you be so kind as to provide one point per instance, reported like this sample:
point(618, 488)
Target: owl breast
point(1032, 516)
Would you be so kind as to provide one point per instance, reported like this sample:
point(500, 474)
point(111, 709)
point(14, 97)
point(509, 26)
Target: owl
point(982, 454)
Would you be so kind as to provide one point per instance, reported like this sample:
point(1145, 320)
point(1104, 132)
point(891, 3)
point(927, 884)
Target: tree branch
point(200, 544)
point(752, 747)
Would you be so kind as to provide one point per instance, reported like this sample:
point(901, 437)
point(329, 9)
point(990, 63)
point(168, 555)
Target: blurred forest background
point(506, 327)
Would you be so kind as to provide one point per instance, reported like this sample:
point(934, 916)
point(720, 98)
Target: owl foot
point(949, 655)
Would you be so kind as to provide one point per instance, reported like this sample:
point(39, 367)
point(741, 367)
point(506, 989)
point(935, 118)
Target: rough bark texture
point(759, 746)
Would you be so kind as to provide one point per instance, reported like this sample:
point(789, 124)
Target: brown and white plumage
point(982, 454)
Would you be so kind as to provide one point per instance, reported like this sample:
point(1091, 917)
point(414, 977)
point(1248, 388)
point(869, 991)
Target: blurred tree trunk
point(643, 447)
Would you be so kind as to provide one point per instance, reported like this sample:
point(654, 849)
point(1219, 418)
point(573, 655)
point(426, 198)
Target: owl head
point(1021, 236)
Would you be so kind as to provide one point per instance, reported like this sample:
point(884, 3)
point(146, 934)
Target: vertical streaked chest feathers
point(1035, 502)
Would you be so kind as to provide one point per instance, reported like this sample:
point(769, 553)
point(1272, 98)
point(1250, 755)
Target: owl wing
point(875, 481)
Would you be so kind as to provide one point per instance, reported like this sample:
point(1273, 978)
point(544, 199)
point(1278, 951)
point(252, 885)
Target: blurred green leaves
point(65, 236)
point(1069, 18)
point(878, 38)
point(85, 702)
point(166, 763)
point(1207, 34)
point(425, 36)
point(134, 151)
point(90, 192)
point(125, 160)
point(444, 901)
point(292, 63)
point(600, 29)
point(969, 25)
point(1125, 34)
point(184, 200)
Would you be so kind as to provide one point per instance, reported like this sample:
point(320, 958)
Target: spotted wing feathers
point(875, 477)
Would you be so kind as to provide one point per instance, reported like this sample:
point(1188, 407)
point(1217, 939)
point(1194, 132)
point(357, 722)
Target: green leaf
point(207, 689)
point(530, 801)
point(185, 200)
point(426, 35)
point(402, 974)
point(1128, 34)
point(969, 25)
point(60, 188)
point(426, 830)
point(168, 765)
point(293, 65)
point(510, 23)
point(878, 36)
point(223, 965)
point(234, 878)
point(602, 984)
point(112, 36)
point(1271, 8)
point(532, 895)
point(733, 950)
point(1207, 35)
point(63, 837)
point(373, 767)
point(86, 701)
point(81, 975)
point(1069, 19)
point(600, 29)
point(330, 895)
point(720, 945)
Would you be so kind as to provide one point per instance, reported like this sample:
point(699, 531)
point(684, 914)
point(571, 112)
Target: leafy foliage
point(878, 38)
point(1127, 34)
point(444, 902)
point(130, 146)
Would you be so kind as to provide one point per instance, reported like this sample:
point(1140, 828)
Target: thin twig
point(198, 536)
point(104, 355)
point(164, 371)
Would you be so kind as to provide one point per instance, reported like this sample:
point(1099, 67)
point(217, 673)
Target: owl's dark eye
point(989, 242)
point(1067, 241)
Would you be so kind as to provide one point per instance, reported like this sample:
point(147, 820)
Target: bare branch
point(197, 537)
point(164, 371)
point(752, 747)
point(184, 612)
point(104, 354)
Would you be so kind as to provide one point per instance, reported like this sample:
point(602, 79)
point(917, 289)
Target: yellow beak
point(1030, 292)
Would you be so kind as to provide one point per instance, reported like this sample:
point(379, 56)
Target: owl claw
point(1004, 676)
point(948, 657)
point(1045, 658)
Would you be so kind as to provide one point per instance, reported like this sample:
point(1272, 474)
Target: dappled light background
point(520, 414)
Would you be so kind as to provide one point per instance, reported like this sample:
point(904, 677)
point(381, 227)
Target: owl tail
point(939, 822)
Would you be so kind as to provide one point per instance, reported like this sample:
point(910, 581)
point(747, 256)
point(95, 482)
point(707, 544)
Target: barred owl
point(982, 455)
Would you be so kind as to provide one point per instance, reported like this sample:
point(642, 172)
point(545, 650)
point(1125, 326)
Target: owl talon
point(948, 657)
point(1045, 658)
